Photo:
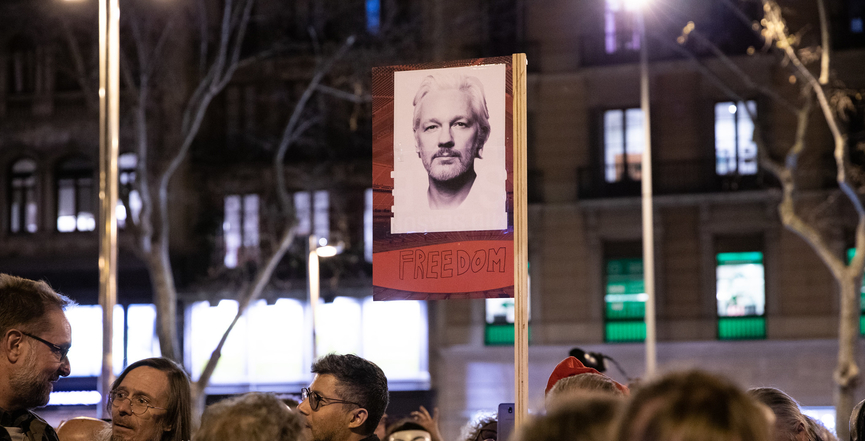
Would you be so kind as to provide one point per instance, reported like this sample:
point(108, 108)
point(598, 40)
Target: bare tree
point(813, 80)
point(155, 76)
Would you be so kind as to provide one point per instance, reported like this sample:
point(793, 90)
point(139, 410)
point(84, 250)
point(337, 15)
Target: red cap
point(570, 367)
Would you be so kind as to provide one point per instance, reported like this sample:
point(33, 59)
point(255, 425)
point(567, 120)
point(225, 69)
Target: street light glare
point(326, 251)
point(636, 4)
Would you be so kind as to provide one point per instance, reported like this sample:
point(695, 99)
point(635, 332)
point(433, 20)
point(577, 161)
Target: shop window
point(741, 295)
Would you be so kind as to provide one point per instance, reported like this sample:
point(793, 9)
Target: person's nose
point(304, 408)
point(446, 138)
point(124, 407)
point(65, 367)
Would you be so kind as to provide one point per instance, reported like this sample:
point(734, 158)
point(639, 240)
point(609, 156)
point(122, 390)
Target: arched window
point(23, 210)
point(75, 211)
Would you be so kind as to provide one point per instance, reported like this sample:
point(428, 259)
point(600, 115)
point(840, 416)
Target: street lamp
point(318, 248)
point(109, 124)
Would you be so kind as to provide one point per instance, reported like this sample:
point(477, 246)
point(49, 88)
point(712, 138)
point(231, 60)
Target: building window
point(499, 312)
point(621, 33)
point(23, 210)
point(75, 196)
point(240, 229)
point(735, 149)
point(22, 66)
point(625, 300)
point(623, 144)
point(741, 295)
point(127, 164)
point(345, 325)
point(373, 16)
point(312, 212)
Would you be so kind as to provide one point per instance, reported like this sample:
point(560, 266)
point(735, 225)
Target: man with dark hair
point(150, 401)
point(35, 339)
point(346, 399)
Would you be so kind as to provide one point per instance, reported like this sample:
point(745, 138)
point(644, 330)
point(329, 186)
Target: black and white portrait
point(449, 150)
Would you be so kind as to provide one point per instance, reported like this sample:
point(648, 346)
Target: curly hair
point(255, 416)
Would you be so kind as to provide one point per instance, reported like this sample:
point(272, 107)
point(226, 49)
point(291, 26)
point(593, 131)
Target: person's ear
point(358, 417)
point(12, 345)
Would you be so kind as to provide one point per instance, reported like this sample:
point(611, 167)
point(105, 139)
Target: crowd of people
point(151, 399)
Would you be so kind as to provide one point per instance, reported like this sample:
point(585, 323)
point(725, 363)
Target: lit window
point(621, 33)
point(321, 215)
point(85, 357)
point(735, 150)
point(23, 211)
point(741, 295)
point(338, 327)
point(127, 164)
point(240, 229)
point(623, 144)
point(247, 356)
point(141, 339)
point(346, 325)
point(367, 225)
point(625, 300)
point(373, 16)
point(303, 212)
point(75, 210)
point(380, 319)
point(500, 317)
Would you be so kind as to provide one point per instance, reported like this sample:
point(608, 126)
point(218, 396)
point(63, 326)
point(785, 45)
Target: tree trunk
point(165, 299)
point(847, 372)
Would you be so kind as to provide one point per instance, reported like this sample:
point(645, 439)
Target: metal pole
point(109, 102)
point(648, 220)
point(314, 282)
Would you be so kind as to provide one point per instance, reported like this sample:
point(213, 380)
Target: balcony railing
point(668, 177)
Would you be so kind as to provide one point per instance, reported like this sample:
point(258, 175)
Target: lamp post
point(318, 248)
point(646, 184)
point(109, 105)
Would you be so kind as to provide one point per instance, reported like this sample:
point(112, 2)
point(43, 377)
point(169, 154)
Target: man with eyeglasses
point(346, 399)
point(35, 339)
point(150, 401)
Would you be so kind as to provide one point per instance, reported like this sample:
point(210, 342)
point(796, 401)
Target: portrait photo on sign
point(449, 166)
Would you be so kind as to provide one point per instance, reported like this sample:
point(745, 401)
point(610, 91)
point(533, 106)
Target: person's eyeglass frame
point(113, 402)
point(55, 349)
point(315, 399)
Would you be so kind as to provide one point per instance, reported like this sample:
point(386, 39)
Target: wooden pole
point(521, 248)
point(109, 123)
point(648, 210)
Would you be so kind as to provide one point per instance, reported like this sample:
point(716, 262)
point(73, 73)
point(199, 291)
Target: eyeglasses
point(138, 404)
point(58, 351)
point(315, 399)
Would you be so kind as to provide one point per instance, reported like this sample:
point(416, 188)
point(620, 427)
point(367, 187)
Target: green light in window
point(741, 328)
point(625, 331)
point(740, 258)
